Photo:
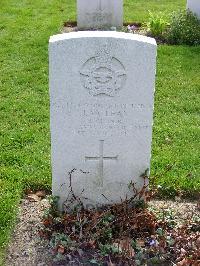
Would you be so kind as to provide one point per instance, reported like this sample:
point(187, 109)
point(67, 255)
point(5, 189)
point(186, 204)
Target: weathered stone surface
point(99, 13)
point(194, 6)
point(102, 94)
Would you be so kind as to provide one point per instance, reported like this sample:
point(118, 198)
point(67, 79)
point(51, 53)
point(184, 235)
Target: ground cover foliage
point(180, 27)
point(25, 28)
point(184, 29)
point(127, 233)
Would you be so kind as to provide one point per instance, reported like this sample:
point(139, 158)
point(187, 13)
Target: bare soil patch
point(26, 247)
point(130, 27)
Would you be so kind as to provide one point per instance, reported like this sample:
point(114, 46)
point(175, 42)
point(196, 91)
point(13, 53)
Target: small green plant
point(108, 217)
point(108, 249)
point(184, 28)
point(60, 239)
point(94, 262)
point(135, 246)
point(52, 211)
point(157, 24)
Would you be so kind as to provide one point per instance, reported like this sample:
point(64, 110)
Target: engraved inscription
point(103, 74)
point(101, 159)
point(100, 17)
point(108, 119)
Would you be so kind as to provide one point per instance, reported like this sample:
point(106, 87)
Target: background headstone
point(101, 113)
point(194, 6)
point(99, 13)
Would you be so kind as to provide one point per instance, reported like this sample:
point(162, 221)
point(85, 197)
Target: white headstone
point(99, 13)
point(101, 94)
point(194, 6)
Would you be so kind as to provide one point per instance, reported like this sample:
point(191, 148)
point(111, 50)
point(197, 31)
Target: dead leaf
point(28, 191)
point(47, 222)
point(41, 193)
point(140, 242)
point(33, 197)
point(124, 246)
point(198, 242)
point(183, 262)
point(92, 243)
point(61, 249)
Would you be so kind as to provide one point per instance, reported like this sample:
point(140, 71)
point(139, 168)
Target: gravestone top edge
point(102, 34)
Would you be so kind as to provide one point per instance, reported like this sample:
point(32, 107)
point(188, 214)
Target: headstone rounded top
point(101, 34)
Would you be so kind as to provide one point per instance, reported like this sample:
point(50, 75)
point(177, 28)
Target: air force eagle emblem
point(103, 74)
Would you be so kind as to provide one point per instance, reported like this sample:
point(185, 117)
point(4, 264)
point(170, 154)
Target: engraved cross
point(100, 5)
point(101, 159)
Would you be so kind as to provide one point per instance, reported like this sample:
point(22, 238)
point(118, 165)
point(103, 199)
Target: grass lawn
point(25, 27)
